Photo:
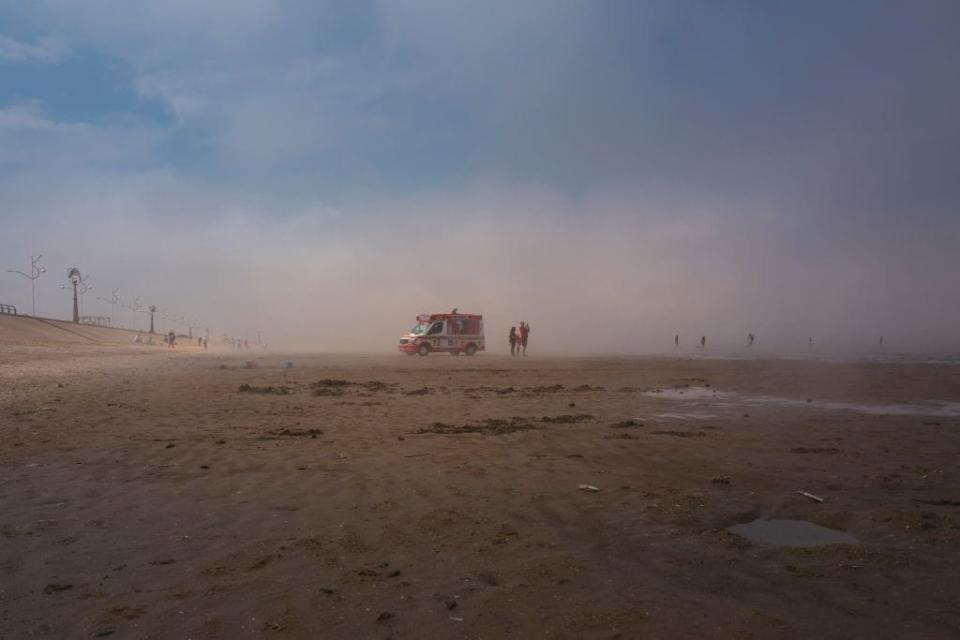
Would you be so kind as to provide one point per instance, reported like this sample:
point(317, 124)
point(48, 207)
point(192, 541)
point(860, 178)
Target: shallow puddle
point(716, 399)
point(791, 533)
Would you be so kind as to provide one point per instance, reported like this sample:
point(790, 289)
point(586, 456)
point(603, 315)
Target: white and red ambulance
point(452, 333)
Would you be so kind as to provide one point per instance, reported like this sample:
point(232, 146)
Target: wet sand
point(145, 495)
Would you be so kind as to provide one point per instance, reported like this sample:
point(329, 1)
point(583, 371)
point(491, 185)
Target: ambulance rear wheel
point(423, 350)
point(471, 349)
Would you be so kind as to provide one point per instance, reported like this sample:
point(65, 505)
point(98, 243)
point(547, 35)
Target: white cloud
point(32, 142)
point(29, 116)
point(45, 49)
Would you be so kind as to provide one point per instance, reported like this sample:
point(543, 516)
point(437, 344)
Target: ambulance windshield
point(420, 329)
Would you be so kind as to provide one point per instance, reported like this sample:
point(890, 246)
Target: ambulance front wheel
point(423, 350)
point(471, 349)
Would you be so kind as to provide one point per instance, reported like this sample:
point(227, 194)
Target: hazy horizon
point(614, 174)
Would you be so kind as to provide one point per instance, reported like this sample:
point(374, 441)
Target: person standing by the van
point(524, 335)
point(703, 342)
point(513, 341)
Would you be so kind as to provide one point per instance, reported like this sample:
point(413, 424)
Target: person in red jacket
point(524, 336)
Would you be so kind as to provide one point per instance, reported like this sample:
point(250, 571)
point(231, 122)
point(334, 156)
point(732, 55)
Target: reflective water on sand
point(878, 357)
point(791, 533)
point(684, 416)
point(716, 399)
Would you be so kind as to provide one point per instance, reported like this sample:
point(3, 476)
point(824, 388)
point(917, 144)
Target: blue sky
point(343, 100)
point(801, 134)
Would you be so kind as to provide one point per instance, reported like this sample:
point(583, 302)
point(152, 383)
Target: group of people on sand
point(703, 341)
point(751, 338)
point(169, 339)
point(518, 339)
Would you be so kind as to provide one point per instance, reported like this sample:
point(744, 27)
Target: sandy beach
point(149, 494)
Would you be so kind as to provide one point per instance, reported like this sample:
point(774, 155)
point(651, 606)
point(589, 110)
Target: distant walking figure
point(881, 341)
point(703, 342)
point(750, 339)
point(513, 341)
point(199, 342)
point(524, 335)
point(205, 340)
point(676, 341)
point(171, 339)
point(810, 341)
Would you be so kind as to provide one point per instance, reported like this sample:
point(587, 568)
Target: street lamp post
point(78, 282)
point(153, 309)
point(35, 272)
